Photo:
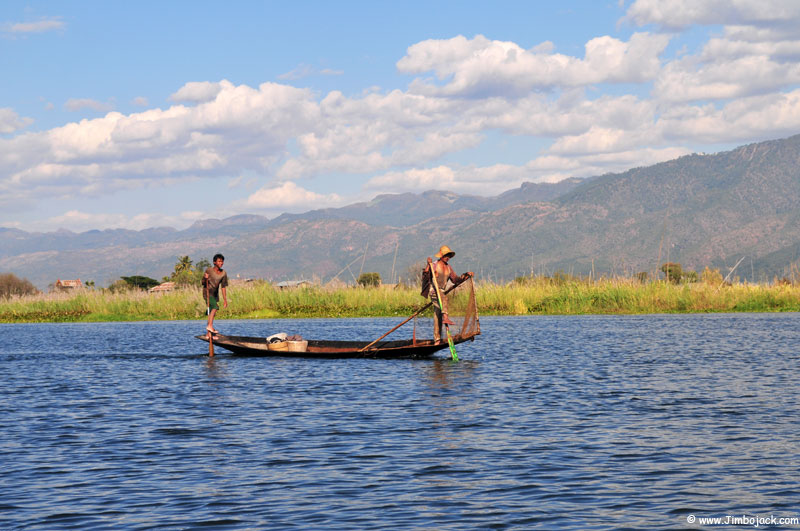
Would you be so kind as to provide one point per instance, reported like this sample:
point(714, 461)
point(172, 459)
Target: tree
point(184, 264)
point(11, 285)
point(187, 273)
point(140, 282)
point(369, 279)
point(673, 271)
point(202, 265)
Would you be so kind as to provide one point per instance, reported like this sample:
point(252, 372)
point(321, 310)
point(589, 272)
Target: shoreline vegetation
point(524, 296)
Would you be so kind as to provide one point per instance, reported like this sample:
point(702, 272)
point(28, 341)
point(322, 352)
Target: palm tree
point(184, 264)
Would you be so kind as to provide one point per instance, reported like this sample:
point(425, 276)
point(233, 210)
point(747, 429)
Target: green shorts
point(213, 303)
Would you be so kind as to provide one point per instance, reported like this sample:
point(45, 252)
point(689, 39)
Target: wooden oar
point(404, 322)
point(441, 311)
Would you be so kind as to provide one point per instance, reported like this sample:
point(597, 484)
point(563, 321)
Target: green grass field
point(534, 296)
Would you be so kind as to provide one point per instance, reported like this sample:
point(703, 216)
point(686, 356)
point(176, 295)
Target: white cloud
point(79, 221)
point(78, 104)
point(289, 196)
point(439, 178)
point(572, 113)
point(140, 101)
point(40, 26)
point(199, 91)
point(306, 70)
point(741, 62)
point(242, 128)
point(497, 178)
point(11, 122)
point(679, 14)
point(741, 120)
point(480, 67)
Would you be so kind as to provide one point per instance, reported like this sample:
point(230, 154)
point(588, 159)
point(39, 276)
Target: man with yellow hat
point(443, 273)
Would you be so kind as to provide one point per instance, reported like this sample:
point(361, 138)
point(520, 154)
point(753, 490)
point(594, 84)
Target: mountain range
point(698, 210)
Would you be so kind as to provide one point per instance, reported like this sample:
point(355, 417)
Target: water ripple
point(547, 422)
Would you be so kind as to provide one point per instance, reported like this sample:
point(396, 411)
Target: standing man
point(443, 273)
point(213, 279)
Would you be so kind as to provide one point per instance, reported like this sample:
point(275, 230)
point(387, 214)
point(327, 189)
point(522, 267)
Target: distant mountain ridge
point(38, 251)
point(699, 210)
point(404, 210)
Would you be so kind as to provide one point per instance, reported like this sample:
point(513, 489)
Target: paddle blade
point(452, 346)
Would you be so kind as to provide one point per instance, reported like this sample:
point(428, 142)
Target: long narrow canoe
point(257, 346)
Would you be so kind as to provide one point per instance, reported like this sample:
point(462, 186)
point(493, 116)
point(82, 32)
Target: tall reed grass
point(535, 296)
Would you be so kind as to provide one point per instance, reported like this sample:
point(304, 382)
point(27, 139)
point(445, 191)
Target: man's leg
point(213, 307)
point(437, 318)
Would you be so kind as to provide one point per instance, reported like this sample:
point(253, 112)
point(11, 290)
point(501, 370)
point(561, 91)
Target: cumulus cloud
point(289, 196)
point(199, 91)
point(11, 122)
point(480, 67)
point(242, 128)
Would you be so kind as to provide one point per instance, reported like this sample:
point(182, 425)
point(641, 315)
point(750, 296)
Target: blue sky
point(141, 114)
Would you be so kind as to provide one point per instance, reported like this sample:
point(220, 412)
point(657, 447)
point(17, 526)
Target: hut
point(288, 284)
point(162, 288)
point(66, 285)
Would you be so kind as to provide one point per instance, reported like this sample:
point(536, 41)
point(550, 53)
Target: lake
point(589, 422)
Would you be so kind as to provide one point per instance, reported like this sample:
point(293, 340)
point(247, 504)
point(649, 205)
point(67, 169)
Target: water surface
point(634, 422)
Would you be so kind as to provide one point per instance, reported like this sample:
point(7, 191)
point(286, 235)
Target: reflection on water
point(556, 423)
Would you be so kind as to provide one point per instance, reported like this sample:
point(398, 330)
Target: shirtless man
point(443, 273)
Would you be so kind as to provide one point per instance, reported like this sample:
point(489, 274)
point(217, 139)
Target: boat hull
point(405, 349)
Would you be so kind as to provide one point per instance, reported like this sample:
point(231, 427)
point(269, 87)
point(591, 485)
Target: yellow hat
point(445, 251)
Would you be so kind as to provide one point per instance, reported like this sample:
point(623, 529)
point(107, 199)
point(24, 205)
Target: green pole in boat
point(444, 316)
point(208, 312)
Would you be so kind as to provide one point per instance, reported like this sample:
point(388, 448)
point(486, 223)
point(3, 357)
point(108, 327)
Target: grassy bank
point(537, 296)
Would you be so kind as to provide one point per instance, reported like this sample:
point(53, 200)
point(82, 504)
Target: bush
point(120, 286)
point(673, 271)
point(11, 286)
point(712, 277)
point(369, 279)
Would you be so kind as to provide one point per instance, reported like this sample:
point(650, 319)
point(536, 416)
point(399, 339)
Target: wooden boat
point(408, 349)
point(465, 326)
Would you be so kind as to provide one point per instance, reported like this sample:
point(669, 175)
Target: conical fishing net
point(462, 310)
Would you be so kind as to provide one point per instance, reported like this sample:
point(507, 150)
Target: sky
point(146, 114)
